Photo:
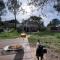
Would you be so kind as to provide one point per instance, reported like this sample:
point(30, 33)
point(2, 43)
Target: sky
point(48, 13)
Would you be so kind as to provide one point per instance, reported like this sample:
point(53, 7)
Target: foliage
point(54, 22)
point(57, 6)
point(2, 6)
point(13, 6)
point(38, 21)
point(38, 2)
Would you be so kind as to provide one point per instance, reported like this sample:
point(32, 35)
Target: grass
point(9, 35)
point(49, 39)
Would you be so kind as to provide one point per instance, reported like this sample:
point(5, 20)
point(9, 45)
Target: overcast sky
point(48, 13)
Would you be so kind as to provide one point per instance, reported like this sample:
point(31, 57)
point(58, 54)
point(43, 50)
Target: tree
point(54, 22)
point(57, 6)
point(38, 21)
point(38, 2)
point(13, 6)
point(50, 24)
point(2, 6)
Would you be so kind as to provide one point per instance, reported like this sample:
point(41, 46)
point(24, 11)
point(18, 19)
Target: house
point(7, 25)
point(10, 23)
point(28, 26)
point(54, 28)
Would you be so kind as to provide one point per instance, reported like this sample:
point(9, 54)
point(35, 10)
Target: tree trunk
point(15, 17)
point(15, 21)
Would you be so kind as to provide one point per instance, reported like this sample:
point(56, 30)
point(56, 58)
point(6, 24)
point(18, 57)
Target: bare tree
point(39, 4)
point(13, 6)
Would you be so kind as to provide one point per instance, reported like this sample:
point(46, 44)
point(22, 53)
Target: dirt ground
point(51, 54)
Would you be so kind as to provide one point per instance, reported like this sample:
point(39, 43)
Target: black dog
point(40, 52)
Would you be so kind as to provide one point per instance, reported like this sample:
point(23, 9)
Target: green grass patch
point(9, 35)
point(49, 39)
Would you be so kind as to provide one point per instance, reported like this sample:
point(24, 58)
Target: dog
point(40, 51)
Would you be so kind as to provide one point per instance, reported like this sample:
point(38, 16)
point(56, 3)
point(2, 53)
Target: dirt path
point(18, 56)
point(29, 52)
point(51, 54)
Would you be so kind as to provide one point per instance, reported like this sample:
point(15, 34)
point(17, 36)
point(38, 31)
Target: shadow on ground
point(19, 55)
